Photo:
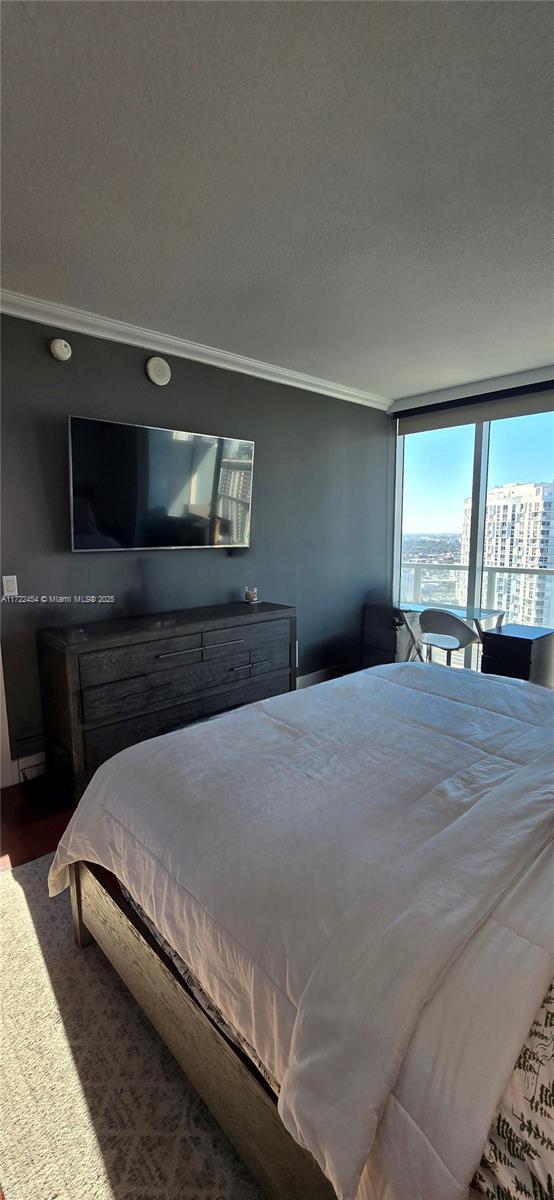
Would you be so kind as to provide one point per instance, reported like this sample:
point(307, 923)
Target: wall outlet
point(9, 585)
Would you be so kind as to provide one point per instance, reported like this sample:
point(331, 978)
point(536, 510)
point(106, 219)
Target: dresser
point(108, 684)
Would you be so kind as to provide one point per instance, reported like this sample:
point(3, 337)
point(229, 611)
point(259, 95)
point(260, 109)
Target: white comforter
point(360, 876)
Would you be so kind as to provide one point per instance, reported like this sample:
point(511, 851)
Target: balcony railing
point(525, 594)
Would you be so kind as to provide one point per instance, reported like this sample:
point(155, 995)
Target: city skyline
point(518, 554)
point(438, 468)
point(458, 532)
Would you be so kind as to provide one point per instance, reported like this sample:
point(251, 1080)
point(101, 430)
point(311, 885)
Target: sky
point(438, 468)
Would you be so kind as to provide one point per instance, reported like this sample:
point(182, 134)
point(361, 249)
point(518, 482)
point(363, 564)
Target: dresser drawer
point(513, 666)
point(122, 662)
point(246, 693)
point(220, 642)
point(107, 740)
point(143, 693)
point(270, 657)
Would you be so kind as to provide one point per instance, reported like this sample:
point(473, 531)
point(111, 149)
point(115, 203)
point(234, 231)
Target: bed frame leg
point(80, 932)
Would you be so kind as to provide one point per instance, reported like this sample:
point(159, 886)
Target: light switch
point(9, 585)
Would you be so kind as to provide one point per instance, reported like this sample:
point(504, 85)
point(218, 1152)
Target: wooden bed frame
point(234, 1091)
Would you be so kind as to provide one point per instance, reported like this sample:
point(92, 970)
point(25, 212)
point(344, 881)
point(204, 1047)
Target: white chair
point(445, 631)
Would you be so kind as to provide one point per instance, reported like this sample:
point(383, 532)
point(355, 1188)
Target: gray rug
point(93, 1107)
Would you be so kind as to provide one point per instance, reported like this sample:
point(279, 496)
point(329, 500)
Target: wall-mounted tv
point(134, 487)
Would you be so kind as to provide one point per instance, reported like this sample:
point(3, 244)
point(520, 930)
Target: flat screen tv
point(134, 487)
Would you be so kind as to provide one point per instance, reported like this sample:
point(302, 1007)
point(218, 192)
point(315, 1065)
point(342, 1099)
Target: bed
point(358, 877)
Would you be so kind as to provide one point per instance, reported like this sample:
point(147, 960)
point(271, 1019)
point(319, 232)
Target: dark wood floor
point(33, 817)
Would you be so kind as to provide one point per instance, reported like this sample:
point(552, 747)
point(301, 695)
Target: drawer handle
point(176, 653)
point(243, 667)
point(160, 687)
point(232, 642)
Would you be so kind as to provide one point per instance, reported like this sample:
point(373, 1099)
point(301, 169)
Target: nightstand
point(520, 651)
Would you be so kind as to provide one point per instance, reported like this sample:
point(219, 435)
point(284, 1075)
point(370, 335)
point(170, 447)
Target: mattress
point(201, 996)
point(255, 842)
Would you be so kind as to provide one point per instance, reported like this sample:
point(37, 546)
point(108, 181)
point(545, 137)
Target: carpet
point(93, 1106)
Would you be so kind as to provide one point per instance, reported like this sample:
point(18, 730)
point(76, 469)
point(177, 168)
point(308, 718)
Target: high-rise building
point(519, 539)
point(235, 488)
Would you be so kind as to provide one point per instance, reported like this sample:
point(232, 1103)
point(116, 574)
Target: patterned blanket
point(518, 1159)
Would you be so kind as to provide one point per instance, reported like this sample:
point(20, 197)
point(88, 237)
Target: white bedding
point(360, 876)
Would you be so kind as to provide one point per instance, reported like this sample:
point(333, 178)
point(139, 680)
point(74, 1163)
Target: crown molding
point(63, 317)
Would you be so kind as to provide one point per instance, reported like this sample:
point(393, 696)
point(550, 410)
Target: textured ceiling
point(358, 191)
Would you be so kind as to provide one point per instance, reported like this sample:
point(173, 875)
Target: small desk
point(480, 617)
point(520, 652)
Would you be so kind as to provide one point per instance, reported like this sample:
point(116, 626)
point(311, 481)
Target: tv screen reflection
point(134, 487)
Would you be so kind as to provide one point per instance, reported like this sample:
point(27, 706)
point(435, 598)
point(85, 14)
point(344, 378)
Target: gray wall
point(321, 513)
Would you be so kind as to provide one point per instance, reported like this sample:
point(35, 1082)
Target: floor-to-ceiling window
point(436, 513)
point(518, 556)
point(475, 521)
